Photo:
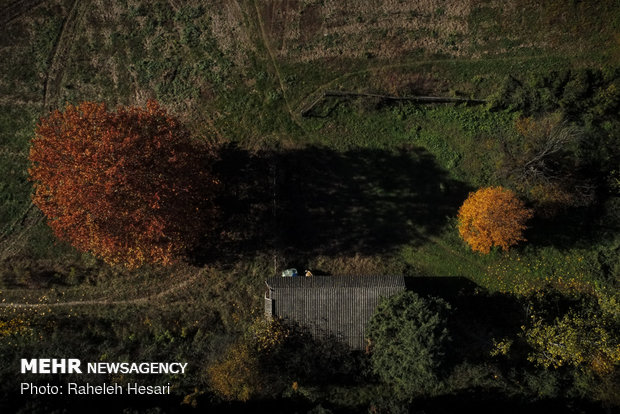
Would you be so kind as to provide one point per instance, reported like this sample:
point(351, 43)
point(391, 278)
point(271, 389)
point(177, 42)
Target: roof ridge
point(336, 281)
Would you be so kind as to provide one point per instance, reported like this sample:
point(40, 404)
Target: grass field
point(358, 187)
point(242, 71)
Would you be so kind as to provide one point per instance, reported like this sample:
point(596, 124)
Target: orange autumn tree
point(129, 186)
point(492, 216)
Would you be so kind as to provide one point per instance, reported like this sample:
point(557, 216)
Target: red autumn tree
point(129, 186)
point(492, 216)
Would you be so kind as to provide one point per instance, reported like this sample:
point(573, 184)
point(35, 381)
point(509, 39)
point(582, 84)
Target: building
point(338, 306)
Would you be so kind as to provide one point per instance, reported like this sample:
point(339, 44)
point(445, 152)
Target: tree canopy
point(492, 216)
point(129, 186)
point(407, 336)
point(584, 336)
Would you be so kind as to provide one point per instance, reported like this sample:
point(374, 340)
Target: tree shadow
point(361, 201)
point(478, 317)
point(317, 201)
point(319, 359)
point(486, 401)
point(243, 223)
point(573, 227)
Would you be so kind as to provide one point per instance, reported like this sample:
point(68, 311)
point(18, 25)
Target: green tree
point(407, 336)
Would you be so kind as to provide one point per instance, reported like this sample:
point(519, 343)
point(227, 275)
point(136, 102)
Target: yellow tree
point(492, 216)
point(237, 375)
point(578, 340)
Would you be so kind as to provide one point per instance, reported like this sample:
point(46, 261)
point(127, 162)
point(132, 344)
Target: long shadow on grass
point(477, 317)
point(316, 200)
point(575, 227)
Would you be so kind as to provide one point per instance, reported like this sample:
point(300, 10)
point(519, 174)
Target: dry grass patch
point(229, 30)
point(356, 265)
point(387, 29)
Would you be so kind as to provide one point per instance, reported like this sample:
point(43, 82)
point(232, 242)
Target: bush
point(580, 94)
point(545, 163)
point(237, 375)
point(407, 337)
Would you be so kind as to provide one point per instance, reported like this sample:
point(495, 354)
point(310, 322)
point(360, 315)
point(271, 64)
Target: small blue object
point(290, 273)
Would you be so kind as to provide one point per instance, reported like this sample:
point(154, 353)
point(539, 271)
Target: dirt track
point(103, 301)
point(51, 90)
point(60, 54)
point(16, 9)
point(271, 53)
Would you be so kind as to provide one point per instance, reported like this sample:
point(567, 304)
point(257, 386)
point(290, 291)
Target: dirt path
point(175, 6)
point(12, 100)
point(16, 9)
point(51, 89)
point(6, 152)
point(60, 55)
point(109, 302)
point(28, 220)
point(272, 56)
point(9, 228)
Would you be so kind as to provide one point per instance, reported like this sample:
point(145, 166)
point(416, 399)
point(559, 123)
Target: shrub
point(237, 375)
point(407, 337)
point(545, 163)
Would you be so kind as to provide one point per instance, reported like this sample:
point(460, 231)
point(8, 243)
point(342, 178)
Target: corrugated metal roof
point(332, 305)
point(335, 281)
